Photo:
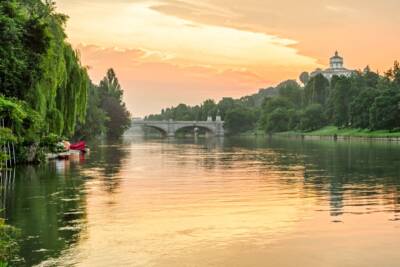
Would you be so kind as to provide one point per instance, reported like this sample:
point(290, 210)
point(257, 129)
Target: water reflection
point(7, 181)
point(212, 202)
point(349, 175)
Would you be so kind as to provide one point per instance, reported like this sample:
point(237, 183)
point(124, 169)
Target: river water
point(211, 202)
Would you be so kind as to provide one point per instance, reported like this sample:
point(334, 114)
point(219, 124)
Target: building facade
point(336, 68)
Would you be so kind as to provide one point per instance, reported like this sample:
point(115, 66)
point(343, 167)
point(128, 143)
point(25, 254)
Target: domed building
point(336, 68)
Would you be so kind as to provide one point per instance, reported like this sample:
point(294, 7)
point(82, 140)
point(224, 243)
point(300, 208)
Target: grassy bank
point(252, 133)
point(332, 130)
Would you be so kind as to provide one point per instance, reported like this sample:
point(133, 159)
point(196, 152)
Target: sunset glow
point(167, 52)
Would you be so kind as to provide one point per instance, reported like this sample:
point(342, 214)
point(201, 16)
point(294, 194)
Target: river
point(211, 202)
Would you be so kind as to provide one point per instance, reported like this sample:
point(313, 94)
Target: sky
point(167, 52)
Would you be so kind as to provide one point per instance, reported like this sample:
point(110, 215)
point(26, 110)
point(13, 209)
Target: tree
point(39, 67)
point(110, 85)
point(394, 74)
point(304, 77)
point(96, 117)
point(371, 78)
point(341, 101)
point(269, 105)
point(226, 104)
point(385, 111)
point(294, 119)
point(312, 118)
point(208, 108)
point(183, 113)
point(316, 90)
point(239, 120)
point(111, 102)
point(278, 121)
point(292, 92)
point(119, 117)
point(359, 108)
point(364, 100)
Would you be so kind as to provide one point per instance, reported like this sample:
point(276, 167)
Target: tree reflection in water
point(49, 202)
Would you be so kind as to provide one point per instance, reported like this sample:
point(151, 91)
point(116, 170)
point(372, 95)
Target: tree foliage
point(9, 247)
point(111, 102)
point(312, 118)
point(240, 119)
point(39, 67)
point(364, 100)
point(316, 90)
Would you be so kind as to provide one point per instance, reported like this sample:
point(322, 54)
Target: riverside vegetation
point(45, 93)
point(365, 104)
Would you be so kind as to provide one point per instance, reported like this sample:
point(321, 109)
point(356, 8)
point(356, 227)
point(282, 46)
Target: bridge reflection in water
point(170, 127)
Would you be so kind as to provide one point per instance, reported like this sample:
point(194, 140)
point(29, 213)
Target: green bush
point(9, 247)
point(21, 121)
point(51, 143)
point(278, 120)
point(312, 118)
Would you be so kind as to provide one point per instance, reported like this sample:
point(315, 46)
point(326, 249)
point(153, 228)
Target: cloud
point(171, 51)
point(137, 24)
point(152, 82)
point(163, 59)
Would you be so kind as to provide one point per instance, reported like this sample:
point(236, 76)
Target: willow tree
point(71, 95)
point(39, 66)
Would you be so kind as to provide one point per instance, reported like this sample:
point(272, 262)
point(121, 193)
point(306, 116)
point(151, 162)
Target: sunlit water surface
point(211, 202)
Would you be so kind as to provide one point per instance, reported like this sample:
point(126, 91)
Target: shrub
point(9, 247)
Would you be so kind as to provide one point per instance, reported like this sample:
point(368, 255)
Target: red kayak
point(81, 146)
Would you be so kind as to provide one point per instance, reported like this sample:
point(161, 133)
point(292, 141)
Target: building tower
point(336, 61)
point(336, 68)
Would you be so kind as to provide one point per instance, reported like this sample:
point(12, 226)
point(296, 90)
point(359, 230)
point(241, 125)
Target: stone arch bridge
point(169, 128)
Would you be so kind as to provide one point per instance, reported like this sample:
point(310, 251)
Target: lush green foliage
point(111, 102)
point(52, 143)
point(39, 67)
point(21, 120)
point(8, 244)
point(316, 90)
point(96, 117)
point(106, 113)
point(238, 114)
point(240, 119)
point(312, 118)
point(45, 92)
point(366, 100)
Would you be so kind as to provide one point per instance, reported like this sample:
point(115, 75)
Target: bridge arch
point(164, 132)
point(170, 127)
point(193, 126)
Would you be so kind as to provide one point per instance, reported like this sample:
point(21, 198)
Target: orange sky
point(167, 52)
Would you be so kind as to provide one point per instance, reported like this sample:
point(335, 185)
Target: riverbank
point(332, 132)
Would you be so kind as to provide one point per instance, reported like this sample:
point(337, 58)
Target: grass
point(332, 130)
point(252, 133)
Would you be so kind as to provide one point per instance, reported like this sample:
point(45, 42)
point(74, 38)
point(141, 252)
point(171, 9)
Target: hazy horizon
point(167, 52)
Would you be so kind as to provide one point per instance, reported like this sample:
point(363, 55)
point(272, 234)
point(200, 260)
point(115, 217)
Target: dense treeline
point(39, 67)
point(44, 89)
point(366, 100)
